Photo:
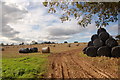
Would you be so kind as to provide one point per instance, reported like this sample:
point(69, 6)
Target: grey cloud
point(18, 39)
point(59, 31)
point(113, 29)
point(63, 32)
point(58, 37)
point(10, 14)
point(9, 32)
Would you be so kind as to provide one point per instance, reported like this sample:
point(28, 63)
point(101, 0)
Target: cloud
point(49, 26)
point(62, 29)
point(37, 24)
point(9, 32)
point(27, 21)
point(10, 13)
point(18, 39)
point(113, 29)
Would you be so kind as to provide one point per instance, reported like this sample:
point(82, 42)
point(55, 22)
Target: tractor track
point(69, 65)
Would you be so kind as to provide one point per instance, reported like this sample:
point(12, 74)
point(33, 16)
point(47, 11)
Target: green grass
point(32, 66)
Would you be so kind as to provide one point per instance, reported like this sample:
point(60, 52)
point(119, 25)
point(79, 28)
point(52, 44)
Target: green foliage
point(2, 44)
point(65, 42)
point(75, 41)
point(24, 67)
point(104, 12)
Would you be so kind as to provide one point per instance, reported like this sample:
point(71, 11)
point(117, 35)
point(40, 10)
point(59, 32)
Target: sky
point(27, 21)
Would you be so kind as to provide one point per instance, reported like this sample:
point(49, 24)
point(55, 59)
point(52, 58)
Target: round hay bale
point(53, 45)
point(101, 30)
point(2, 49)
point(77, 44)
point(27, 50)
point(84, 50)
point(104, 36)
point(111, 42)
point(115, 51)
point(90, 43)
point(46, 50)
point(35, 49)
point(111, 37)
point(21, 50)
point(69, 45)
point(98, 43)
point(95, 36)
point(104, 51)
point(91, 51)
point(24, 50)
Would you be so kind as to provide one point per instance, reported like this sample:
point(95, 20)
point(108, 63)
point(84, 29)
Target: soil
point(70, 64)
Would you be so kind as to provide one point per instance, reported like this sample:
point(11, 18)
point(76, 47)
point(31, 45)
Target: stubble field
point(61, 62)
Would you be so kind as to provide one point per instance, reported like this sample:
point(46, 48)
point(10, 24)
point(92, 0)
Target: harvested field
point(13, 51)
point(68, 62)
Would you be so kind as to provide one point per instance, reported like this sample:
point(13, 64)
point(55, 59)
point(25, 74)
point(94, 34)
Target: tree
point(7, 44)
point(75, 41)
point(34, 42)
point(2, 44)
point(12, 44)
point(105, 12)
point(22, 43)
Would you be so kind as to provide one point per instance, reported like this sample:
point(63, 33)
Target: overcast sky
point(25, 21)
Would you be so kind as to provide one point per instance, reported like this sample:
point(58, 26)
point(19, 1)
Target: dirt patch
point(70, 64)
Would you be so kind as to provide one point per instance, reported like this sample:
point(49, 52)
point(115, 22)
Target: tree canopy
point(104, 12)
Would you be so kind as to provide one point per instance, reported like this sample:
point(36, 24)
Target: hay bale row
point(32, 50)
point(28, 50)
point(102, 44)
